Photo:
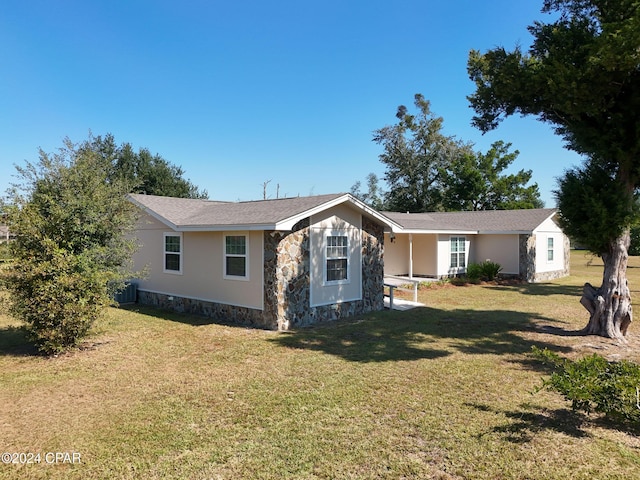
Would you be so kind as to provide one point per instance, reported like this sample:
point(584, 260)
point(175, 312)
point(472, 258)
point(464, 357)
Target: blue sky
point(245, 91)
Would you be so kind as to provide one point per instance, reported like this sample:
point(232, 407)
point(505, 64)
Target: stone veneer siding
point(528, 261)
point(288, 278)
point(287, 284)
point(219, 311)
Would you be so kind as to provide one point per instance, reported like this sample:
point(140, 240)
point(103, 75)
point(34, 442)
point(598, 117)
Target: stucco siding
point(202, 275)
point(396, 254)
point(425, 259)
point(502, 249)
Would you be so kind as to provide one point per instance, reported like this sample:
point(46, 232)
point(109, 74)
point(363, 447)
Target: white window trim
point(335, 233)
point(458, 268)
point(164, 252)
point(245, 278)
point(552, 250)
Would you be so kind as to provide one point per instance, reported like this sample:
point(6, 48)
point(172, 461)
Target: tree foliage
point(70, 251)
point(142, 171)
point(582, 76)
point(476, 181)
point(429, 171)
point(415, 154)
point(374, 196)
point(595, 210)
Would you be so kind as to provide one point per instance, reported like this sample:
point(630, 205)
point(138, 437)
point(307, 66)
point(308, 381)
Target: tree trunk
point(610, 305)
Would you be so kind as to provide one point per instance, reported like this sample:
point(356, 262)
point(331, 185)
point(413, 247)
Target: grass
point(441, 392)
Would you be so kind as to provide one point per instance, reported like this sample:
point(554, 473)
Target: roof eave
point(152, 213)
point(288, 223)
point(226, 228)
point(435, 231)
point(505, 232)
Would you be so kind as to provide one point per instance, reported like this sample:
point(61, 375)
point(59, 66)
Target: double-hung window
point(173, 253)
point(550, 249)
point(458, 252)
point(336, 258)
point(236, 254)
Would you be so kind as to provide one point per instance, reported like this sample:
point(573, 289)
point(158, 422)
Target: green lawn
point(439, 392)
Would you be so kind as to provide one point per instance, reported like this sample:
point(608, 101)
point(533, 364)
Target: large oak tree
point(581, 75)
point(143, 171)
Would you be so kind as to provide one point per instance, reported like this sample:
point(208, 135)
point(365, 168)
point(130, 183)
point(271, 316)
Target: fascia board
point(505, 232)
point(374, 213)
point(226, 228)
point(550, 217)
point(434, 232)
point(288, 223)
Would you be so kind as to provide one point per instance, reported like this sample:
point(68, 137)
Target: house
point(296, 261)
point(526, 243)
point(273, 263)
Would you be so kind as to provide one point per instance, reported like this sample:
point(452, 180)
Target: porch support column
point(411, 255)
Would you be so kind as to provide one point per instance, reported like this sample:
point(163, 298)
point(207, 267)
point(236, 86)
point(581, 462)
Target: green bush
point(71, 245)
point(474, 271)
point(595, 384)
point(487, 271)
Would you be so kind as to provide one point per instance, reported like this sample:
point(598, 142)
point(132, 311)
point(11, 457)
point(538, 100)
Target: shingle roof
point(186, 214)
point(197, 214)
point(487, 221)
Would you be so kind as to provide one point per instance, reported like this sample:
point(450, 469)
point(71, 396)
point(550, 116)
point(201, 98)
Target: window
point(337, 258)
point(550, 249)
point(458, 252)
point(235, 256)
point(172, 253)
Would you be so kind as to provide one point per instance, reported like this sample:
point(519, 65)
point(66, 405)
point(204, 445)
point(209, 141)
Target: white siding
point(444, 254)
point(549, 229)
point(340, 220)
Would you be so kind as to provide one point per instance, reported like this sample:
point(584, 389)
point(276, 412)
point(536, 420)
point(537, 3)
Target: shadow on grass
point(419, 333)
point(14, 341)
point(532, 419)
point(541, 289)
point(185, 318)
point(561, 332)
point(524, 424)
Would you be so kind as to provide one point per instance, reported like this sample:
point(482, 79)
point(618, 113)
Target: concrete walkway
point(399, 304)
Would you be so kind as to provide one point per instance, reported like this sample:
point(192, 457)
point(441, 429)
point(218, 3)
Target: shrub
point(487, 271)
point(71, 246)
point(474, 271)
point(595, 384)
point(490, 270)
